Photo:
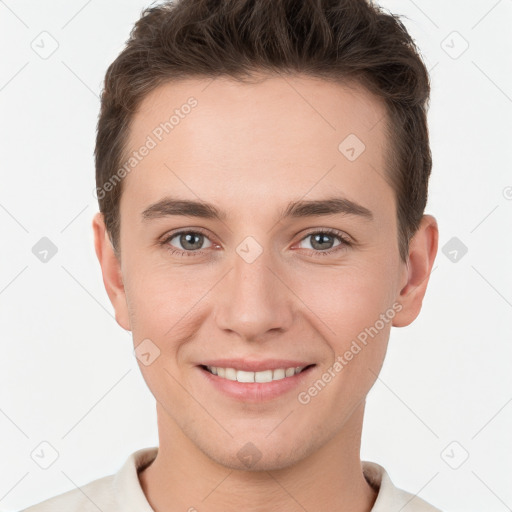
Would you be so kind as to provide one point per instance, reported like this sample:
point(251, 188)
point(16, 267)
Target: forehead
point(240, 144)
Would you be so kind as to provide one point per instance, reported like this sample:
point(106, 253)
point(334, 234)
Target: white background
point(67, 371)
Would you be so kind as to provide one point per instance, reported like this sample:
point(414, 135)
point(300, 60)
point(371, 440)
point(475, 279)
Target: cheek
point(347, 299)
point(352, 311)
point(160, 295)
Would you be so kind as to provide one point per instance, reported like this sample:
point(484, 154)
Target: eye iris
point(322, 237)
point(185, 240)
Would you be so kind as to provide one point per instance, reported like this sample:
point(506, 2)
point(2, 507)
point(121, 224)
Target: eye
point(321, 241)
point(189, 242)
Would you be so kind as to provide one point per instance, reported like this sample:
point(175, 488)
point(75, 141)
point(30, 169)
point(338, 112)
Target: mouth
point(262, 376)
point(256, 387)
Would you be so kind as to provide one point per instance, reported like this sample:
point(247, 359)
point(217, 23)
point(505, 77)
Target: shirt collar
point(126, 483)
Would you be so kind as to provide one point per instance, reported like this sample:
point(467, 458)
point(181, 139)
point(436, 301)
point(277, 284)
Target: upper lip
point(256, 365)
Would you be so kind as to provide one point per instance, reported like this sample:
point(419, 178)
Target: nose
point(255, 298)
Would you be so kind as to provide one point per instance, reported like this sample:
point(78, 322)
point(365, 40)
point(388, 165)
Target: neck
point(183, 478)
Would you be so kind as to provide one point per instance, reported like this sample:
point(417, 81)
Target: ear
point(422, 253)
point(111, 270)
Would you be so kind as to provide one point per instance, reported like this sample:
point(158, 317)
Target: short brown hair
point(340, 40)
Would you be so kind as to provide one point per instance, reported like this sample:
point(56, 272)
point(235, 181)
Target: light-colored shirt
point(122, 492)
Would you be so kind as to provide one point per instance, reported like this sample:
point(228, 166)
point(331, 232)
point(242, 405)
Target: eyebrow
point(169, 206)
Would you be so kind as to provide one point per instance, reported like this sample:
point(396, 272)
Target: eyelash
point(344, 242)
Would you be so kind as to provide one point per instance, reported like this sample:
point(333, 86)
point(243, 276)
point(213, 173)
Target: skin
point(249, 150)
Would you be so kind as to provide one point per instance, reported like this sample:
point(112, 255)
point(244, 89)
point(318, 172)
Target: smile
point(261, 376)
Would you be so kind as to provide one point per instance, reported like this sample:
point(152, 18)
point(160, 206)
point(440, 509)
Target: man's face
point(254, 285)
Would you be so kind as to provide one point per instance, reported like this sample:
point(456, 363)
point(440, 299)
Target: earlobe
point(111, 271)
point(422, 253)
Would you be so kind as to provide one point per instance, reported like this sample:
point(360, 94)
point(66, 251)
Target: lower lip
point(256, 391)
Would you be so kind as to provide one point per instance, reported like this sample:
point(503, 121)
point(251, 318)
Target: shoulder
point(114, 493)
point(94, 496)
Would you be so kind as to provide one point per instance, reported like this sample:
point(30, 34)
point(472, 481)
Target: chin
point(253, 453)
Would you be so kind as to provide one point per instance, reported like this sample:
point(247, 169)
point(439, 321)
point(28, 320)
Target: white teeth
point(242, 376)
point(279, 374)
point(263, 376)
point(230, 374)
